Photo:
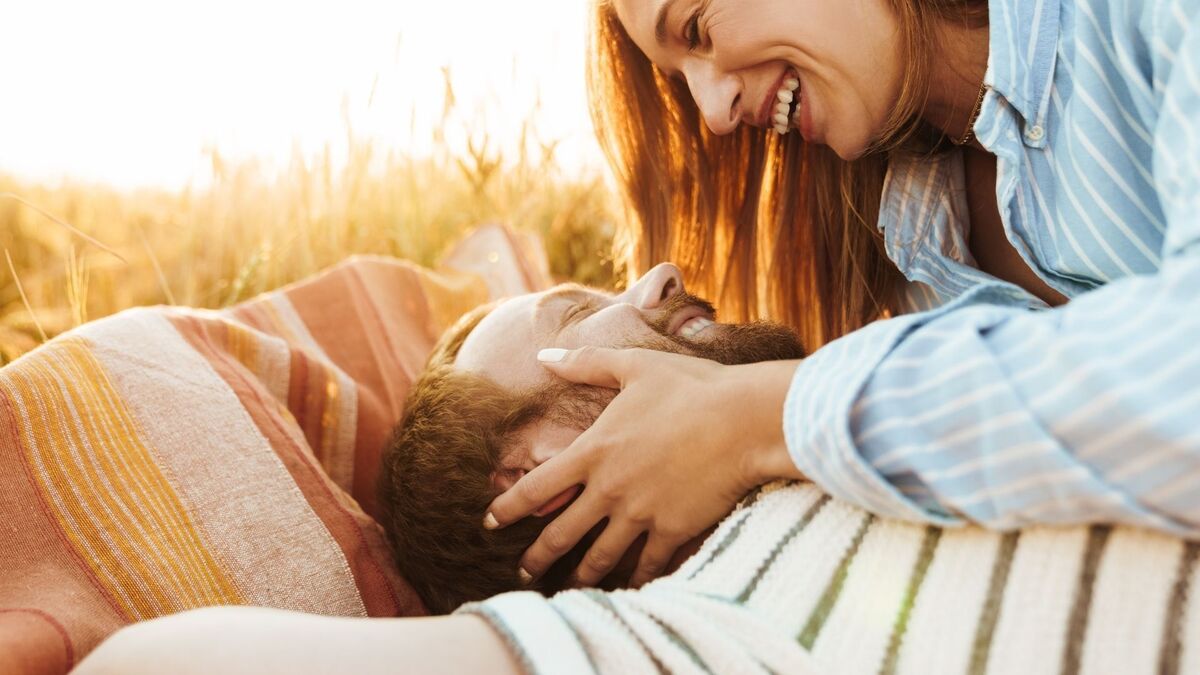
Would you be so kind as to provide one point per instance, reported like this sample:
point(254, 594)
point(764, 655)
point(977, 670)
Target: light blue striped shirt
point(991, 407)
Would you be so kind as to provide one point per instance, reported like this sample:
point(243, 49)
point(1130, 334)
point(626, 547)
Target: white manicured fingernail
point(490, 522)
point(551, 355)
point(526, 577)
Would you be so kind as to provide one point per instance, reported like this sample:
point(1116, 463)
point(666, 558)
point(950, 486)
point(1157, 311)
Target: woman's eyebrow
point(660, 22)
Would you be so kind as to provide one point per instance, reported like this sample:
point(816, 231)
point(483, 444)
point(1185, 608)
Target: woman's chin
point(849, 152)
point(848, 149)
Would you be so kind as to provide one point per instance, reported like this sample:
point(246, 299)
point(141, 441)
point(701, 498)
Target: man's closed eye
point(577, 312)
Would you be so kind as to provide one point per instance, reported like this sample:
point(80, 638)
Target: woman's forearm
point(258, 640)
point(765, 387)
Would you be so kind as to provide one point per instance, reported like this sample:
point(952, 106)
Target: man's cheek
point(613, 327)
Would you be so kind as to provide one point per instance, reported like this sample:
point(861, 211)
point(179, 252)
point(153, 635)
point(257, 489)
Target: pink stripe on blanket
point(381, 589)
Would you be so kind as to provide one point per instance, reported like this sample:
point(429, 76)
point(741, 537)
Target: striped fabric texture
point(795, 581)
point(165, 459)
point(985, 405)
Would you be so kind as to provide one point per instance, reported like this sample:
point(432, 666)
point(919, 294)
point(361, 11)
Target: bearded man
point(485, 412)
point(792, 581)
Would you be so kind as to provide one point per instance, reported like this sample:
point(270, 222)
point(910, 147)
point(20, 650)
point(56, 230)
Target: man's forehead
point(499, 335)
point(509, 335)
point(564, 292)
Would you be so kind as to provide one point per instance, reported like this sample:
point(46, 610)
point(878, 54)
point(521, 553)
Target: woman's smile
point(761, 61)
point(780, 103)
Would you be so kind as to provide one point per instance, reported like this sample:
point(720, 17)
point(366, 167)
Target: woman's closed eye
point(691, 31)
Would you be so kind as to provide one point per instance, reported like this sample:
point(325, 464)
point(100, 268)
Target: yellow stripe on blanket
point(105, 490)
point(243, 347)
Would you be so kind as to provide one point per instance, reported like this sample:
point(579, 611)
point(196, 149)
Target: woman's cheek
point(849, 127)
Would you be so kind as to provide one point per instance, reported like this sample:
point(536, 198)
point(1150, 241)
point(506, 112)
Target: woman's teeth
point(693, 326)
point(785, 98)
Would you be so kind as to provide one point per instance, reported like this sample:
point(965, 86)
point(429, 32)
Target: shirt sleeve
point(659, 628)
point(1004, 416)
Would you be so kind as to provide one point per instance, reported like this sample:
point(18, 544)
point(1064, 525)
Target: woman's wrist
point(762, 389)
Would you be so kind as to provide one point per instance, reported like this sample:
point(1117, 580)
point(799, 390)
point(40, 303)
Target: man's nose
point(656, 286)
point(718, 96)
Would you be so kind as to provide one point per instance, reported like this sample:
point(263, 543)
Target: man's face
point(654, 313)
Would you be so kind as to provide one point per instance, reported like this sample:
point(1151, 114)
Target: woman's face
point(828, 68)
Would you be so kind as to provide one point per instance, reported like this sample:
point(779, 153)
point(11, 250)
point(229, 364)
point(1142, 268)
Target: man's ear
point(565, 497)
point(503, 479)
point(537, 443)
point(546, 439)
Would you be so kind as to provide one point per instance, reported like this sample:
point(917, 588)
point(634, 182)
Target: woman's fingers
point(561, 535)
point(537, 488)
point(655, 558)
point(606, 552)
point(597, 366)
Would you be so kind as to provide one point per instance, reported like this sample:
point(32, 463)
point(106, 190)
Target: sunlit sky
point(131, 92)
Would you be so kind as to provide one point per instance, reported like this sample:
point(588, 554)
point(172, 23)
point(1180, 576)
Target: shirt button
point(1035, 133)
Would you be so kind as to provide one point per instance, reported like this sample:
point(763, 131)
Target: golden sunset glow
point(132, 92)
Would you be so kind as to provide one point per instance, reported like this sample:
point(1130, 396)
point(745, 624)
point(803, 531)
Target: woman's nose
point(656, 286)
point(717, 95)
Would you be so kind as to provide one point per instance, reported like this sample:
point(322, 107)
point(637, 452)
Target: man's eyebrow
point(660, 23)
point(566, 291)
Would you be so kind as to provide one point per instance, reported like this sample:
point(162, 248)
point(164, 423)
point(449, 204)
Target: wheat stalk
point(24, 299)
point(75, 230)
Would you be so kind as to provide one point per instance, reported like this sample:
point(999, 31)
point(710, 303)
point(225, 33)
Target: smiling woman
point(854, 81)
point(702, 79)
point(987, 214)
point(975, 193)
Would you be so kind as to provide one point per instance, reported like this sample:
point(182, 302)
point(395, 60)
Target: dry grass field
point(250, 230)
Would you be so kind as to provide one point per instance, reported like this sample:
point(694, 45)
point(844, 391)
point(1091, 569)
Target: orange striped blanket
point(165, 459)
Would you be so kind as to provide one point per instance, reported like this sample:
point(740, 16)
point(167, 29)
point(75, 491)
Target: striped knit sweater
point(797, 582)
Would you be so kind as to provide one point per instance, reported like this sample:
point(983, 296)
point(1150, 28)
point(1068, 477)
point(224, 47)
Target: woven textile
point(165, 459)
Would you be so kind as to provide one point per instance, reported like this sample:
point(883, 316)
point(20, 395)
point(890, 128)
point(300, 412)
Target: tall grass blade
point(24, 299)
point(74, 230)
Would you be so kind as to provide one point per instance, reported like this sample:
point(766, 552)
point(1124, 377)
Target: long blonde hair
point(767, 226)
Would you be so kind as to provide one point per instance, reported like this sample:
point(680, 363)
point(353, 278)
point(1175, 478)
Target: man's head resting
point(484, 412)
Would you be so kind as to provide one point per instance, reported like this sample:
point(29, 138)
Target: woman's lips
point(766, 110)
point(805, 121)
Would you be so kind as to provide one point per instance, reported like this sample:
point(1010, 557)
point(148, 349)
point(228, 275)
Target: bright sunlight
point(224, 148)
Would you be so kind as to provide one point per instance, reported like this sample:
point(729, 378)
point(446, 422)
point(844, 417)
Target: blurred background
point(200, 153)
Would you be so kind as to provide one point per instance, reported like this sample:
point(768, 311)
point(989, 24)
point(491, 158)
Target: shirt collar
point(923, 203)
point(1023, 48)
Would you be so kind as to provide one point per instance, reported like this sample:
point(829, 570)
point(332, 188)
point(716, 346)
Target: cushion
point(167, 458)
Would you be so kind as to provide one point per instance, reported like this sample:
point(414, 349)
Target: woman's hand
point(681, 443)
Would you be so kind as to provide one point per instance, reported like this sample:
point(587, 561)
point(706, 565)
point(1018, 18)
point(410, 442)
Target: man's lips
point(685, 315)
